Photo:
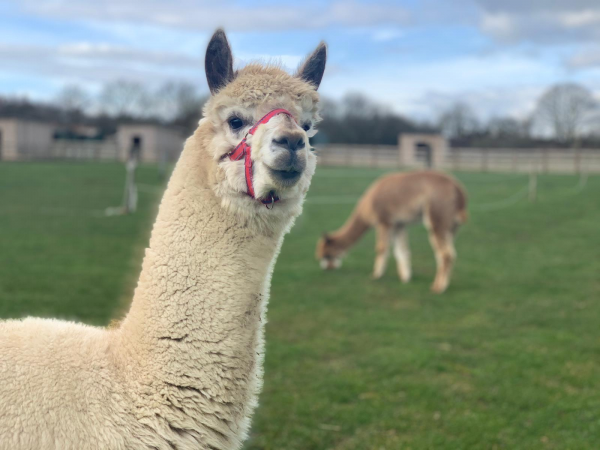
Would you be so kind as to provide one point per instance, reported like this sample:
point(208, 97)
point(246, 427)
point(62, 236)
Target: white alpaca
point(183, 370)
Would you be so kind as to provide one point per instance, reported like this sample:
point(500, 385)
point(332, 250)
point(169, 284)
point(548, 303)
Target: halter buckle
point(272, 204)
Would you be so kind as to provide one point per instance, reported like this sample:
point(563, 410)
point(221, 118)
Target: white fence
point(106, 149)
point(469, 159)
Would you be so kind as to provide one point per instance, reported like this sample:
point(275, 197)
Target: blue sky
point(417, 57)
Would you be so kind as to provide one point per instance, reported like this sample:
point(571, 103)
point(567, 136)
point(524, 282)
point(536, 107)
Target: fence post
point(485, 159)
point(455, 158)
point(130, 195)
point(400, 159)
point(532, 186)
point(577, 160)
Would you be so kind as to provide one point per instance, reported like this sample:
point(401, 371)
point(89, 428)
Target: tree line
point(565, 115)
point(177, 104)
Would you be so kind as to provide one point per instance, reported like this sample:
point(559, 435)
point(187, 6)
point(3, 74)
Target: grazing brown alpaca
point(390, 205)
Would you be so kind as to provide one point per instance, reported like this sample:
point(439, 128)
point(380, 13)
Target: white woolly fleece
point(184, 368)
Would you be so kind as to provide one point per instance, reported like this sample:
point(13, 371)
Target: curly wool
point(183, 370)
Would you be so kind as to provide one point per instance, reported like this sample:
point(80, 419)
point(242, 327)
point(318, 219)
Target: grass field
point(508, 358)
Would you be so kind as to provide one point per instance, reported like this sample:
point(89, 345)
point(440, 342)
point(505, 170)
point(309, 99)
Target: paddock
point(506, 358)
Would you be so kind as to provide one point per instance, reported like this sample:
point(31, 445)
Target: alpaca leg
point(382, 250)
point(402, 254)
point(445, 255)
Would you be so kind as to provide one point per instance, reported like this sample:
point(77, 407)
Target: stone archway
point(135, 150)
point(433, 146)
point(423, 152)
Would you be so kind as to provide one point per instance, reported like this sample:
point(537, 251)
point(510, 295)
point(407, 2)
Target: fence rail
point(544, 160)
point(71, 149)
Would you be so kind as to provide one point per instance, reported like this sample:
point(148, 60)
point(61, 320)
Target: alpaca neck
point(196, 321)
point(350, 232)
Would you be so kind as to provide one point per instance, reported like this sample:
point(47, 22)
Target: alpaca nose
point(291, 142)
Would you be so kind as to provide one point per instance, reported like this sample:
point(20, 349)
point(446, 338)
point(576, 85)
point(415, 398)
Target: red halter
point(244, 149)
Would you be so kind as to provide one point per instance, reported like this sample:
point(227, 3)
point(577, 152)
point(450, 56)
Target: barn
point(25, 139)
point(22, 139)
point(155, 143)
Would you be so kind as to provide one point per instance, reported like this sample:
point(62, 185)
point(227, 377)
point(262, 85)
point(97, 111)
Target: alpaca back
point(403, 198)
point(52, 375)
point(59, 390)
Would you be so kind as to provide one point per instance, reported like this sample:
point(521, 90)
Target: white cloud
point(500, 25)
point(540, 21)
point(585, 59)
point(415, 82)
point(97, 63)
point(518, 102)
point(494, 85)
point(578, 19)
point(387, 34)
point(206, 15)
point(113, 53)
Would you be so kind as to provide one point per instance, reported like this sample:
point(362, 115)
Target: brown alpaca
point(390, 205)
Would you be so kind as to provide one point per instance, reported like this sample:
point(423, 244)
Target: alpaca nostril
point(290, 142)
point(282, 142)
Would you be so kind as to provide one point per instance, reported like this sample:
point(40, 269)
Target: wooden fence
point(469, 159)
point(106, 149)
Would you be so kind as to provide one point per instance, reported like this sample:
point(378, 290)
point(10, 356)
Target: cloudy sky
point(417, 56)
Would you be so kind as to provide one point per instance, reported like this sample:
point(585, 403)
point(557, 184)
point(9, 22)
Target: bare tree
point(563, 109)
point(125, 98)
point(73, 101)
point(175, 99)
point(357, 119)
point(501, 127)
point(330, 108)
point(73, 98)
point(458, 121)
point(357, 105)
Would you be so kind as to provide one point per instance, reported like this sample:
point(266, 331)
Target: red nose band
point(244, 150)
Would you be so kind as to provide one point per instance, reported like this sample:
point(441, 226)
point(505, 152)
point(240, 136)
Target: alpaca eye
point(306, 126)
point(236, 123)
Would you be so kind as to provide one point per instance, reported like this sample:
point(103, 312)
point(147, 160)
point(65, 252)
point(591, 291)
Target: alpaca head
point(329, 253)
point(282, 160)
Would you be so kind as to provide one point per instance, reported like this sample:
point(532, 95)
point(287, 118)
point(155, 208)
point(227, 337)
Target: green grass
point(508, 358)
point(59, 256)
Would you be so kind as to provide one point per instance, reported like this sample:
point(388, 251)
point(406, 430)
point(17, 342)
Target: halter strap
point(244, 150)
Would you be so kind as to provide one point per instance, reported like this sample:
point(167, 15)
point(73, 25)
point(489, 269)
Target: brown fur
point(393, 203)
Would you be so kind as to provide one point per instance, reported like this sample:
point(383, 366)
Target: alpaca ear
point(312, 69)
point(218, 62)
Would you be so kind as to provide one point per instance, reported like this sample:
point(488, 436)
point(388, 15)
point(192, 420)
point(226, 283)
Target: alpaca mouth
point(287, 177)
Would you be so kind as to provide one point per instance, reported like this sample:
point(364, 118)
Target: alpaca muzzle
point(244, 150)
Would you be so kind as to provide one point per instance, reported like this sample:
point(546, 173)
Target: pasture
point(507, 358)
